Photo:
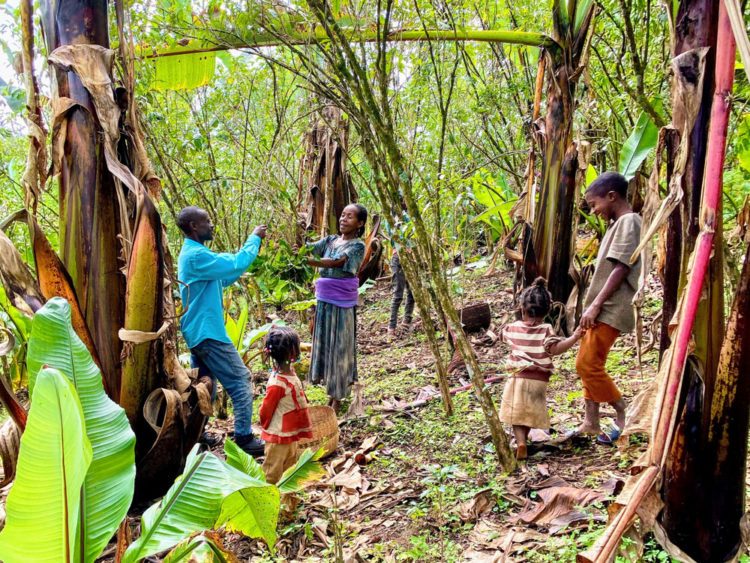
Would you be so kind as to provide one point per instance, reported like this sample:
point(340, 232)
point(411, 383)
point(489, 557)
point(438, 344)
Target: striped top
point(529, 346)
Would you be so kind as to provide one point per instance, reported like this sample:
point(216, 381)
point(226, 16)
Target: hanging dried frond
point(20, 286)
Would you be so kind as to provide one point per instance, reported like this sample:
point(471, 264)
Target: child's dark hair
point(609, 182)
point(282, 344)
point(361, 216)
point(536, 301)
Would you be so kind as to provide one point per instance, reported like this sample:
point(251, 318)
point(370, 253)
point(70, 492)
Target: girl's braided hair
point(282, 344)
point(536, 301)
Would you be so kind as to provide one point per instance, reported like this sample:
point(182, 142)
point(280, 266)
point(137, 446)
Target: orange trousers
point(592, 357)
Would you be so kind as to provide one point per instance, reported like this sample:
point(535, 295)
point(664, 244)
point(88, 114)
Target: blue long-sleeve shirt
point(206, 273)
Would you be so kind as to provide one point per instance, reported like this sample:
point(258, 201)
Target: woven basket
point(325, 428)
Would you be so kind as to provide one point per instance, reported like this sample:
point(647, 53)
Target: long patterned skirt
point(334, 356)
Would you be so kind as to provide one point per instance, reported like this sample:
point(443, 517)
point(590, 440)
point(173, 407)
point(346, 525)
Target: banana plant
point(53, 462)
point(77, 457)
point(236, 329)
point(213, 493)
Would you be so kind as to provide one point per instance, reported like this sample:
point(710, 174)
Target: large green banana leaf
point(254, 511)
point(242, 461)
point(192, 504)
point(108, 487)
point(43, 507)
point(642, 141)
point(306, 469)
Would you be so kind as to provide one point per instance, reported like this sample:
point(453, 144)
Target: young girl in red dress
point(284, 417)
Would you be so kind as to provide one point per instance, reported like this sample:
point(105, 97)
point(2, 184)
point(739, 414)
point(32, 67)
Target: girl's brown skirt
point(525, 403)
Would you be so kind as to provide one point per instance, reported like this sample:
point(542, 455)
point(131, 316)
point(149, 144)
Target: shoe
point(610, 437)
point(211, 440)
point(251, 444)
point(576, 434)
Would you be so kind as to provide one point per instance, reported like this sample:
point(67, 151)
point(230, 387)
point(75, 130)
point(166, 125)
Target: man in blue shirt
point(205, 274)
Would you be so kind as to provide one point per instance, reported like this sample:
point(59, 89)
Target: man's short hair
point(188, 215)
point(609, 182)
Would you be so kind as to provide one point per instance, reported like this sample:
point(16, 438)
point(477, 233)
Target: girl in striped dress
point(532, 344)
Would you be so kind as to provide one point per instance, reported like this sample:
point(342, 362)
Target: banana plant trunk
point(686, 484)
point(324, 179)
point(573, 23)
point(708, 419)
point(553, 225)
point(89, 209)
point(114, 262)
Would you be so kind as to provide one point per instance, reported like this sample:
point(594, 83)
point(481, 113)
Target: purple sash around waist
point(342, 292)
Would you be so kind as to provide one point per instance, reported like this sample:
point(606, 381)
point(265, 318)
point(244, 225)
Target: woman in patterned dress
point(339, 257)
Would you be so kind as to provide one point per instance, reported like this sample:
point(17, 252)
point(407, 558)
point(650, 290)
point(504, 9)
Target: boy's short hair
point(609, 182)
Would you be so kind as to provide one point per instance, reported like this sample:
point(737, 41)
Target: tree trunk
point(89, 209)
point(728, 422)
point(104, 235)
point(324, 178)
point(695, 29)
point(553, 218)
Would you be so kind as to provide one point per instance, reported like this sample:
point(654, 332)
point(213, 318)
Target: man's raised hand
point(260, 231)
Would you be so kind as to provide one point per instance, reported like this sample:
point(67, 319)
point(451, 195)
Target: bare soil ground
point(429, 487)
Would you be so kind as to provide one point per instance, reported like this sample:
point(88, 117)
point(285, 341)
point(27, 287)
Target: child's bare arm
point(614, 281)
point(565, 345)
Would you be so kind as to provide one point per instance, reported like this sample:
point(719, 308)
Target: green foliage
point(282, 274)
point(493, 193)
point(100, 477)
point(257, 333)
point(236, 329)
point(14, 97)
point(640, 142)
point(252, 511)
point(192, 504)
point(742, 143)
point(44, 506)
point(183, 72)
point(108, 486)
point(212, 493)
point(306, 469)
point(20, 325)
point(241, 461)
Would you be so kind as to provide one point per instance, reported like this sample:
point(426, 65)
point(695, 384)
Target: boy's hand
point(589, 317)
point(260, 231)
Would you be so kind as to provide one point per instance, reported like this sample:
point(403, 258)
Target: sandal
point(576, 433)
point(610, 437)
